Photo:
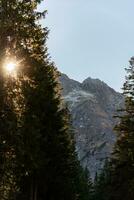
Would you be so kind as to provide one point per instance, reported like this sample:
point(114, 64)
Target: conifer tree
point(102, 183)
point(7, 136)
point(45, 165)
point(8, 120)
point(85, 185)
point(122, 183)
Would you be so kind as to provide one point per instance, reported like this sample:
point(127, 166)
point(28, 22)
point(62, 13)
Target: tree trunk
point(31, 191)
point(35, 191)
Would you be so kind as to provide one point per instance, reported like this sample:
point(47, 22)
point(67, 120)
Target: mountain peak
point(92, 104)
point(89, 79)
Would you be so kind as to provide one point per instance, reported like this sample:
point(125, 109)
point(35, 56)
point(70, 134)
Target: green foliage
point(103, 182)
point(124, 149)
point(84, 185)
point(38, 158)
point(118, 181)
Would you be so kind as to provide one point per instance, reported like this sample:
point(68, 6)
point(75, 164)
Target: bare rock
point(92, 105)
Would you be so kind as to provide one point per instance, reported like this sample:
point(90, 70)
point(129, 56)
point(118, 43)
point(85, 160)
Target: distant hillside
point(93, 105)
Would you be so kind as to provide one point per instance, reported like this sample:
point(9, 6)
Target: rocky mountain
point(92, 104)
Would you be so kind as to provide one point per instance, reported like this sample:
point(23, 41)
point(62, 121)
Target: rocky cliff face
point(93, 105)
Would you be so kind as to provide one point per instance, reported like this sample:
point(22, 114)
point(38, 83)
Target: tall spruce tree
point(8, 119)
point(117, 180)
point(43, 164)
point(122, 181)
point(8, 124)
point(103, 181)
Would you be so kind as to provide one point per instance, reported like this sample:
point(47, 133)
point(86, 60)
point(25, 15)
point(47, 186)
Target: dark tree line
point(37, 152)
point(117, 178)
point(38, 160)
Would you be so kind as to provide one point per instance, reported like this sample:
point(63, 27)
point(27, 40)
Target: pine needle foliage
point(41, 161)
point(123, 181)
point(119, 180)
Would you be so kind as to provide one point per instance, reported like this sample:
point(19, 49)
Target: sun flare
point(10, 67)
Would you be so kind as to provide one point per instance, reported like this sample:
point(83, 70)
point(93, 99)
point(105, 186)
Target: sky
point(91, 38)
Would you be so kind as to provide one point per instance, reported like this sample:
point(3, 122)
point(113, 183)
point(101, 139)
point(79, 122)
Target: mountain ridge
point(92, 104)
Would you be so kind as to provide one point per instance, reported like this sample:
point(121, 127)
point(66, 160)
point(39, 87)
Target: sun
point(10, 67)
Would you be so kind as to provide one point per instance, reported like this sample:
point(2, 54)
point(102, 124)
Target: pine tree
point(8, 119)
point(103, 181)
point(7, 136)
point(117, 178)
point(85, 184)
point(45, 165)
point(123, 157)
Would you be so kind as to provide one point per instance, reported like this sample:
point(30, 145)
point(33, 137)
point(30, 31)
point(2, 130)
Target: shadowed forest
point(38, 158)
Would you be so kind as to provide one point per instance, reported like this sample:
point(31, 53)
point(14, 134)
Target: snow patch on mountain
point(92, 105)
point(76, 96)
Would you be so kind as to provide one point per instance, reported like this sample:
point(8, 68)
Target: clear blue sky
point(91, 38)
